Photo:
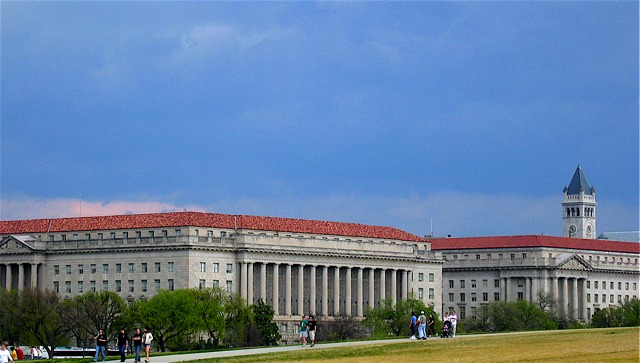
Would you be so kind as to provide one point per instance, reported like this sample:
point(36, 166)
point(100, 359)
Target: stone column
point(372, 286)
point(504, 289)
point(383, 287)
point(336, 291)
point(8, 277)
point(263, 282)
point(325, 290)
point(527, 292)
point(359, 292)
point(403, 285)
point(249, 283)
point(583, 300)
point(565, 294)
point(347, 298)
point(243, 280)
point(34, 275)
point(554, 289)
point(301, 289)
point(312, 290)
point(287, 291)
point(394, 287)
point(575, 308)
point(535, 287)
point(20, 276)
point(276, 290)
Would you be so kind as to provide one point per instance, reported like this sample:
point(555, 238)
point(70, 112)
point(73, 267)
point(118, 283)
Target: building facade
point(297, 266)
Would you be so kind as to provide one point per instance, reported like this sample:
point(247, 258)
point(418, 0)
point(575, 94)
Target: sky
point(443, 118)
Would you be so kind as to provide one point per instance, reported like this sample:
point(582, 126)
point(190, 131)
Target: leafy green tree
point(237, 316)
point(388, 319)
point(263, 319)
point(98, 310)
point(10, 323)
point(210, 309)
point(627, 314)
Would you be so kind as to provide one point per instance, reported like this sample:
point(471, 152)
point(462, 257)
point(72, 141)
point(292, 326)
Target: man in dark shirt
point(311, 328)
point(101, 345)
point(123, 343)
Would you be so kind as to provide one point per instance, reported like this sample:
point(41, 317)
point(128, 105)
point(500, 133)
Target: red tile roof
point(533, 241)
point(199, 219)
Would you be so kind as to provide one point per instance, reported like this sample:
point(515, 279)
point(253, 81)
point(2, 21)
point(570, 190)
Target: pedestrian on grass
point(412, 325)
point(147, 338)
point(101, 345)
point(123, 344)
point(137, 345)
point(311, 327)
point(303, 330)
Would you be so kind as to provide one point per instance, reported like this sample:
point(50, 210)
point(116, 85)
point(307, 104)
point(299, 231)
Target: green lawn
point(589, 345)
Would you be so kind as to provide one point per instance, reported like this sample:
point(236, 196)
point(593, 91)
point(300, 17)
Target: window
point(513, 256)
point(178, 233)
point(67, 286)
point(113, 235)
point(229, 286)
point(157, 284)
point(520, 295)
point(56, 286)
point(462, 297)
point(216, 267)
point(131, 286)
point(229, 268)
point(132, 268)
point(125, 235)
point(588, 284)
point(431, 277)
point(451, 284)
point(118, 268)
point(431, 294)
point(68, 268)
point(604, 285)
point(500, 256)
point(635, 286)
point(157, 268)
point(462, 284)
point(496, 283)
point(105, 268)
point(143, 267)
point(420, 293)
point(216, 284)
point(209, 233)
point(170, 266)
point(473, 312)
point(151, 234)
point(81, 269)
point(420, 277)
point(81, 286)
point(626, 286)
point(524, 255)
point(144, 285)
point(611, 285)
point(450, 296)
point(595, 298)
point(463, 313)
point(488, 256)
point(473, 284)
point(619, 299)
point(100, 236)
point(473, 296)
point(477, 257)
point(93, 268)
point(105, 285)
point(201, 284)
point(485, 296)
point(138, 235)
point(619, 285)
point(170, 284)
point(496, 296)
point(118, 286)
point(485, 283)
point(595, 284)
point(203, 267)
point(611, 298)
point(56, 269)
point(92, 286)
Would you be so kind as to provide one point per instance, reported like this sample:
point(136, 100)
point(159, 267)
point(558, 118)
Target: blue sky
point(472, 116)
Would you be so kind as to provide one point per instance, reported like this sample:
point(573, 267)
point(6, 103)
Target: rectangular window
point(477, 257)
point(56, 269)
point(463, 313)
point(157, 268)
point(473, 296)
point(157, 284)
point(201, 284)
point(595, 298)
point(485, 283)
point(93, 268)
point(485, 296)
point(170, 284)
point(68, 268)
point(81, 269)
point(524, 255)
point(209, 233)
point(420, 277)
point(462, 284)
point(420, 293)
point(105, 285)
point(462, 297)
point(588, 284)
point(431, 277)
point(81, 287)
point(125, 235)
point(113, 235)
point(118, 286)
point(92, 286)
point(203, 267)
point(143, 267)
point(67, 286)
point(132, 268)
point(178, 232)
point(595, 284)
point(496, 296)
point(619, 285)
point(611, 285)
point(229, 286)
point(611, 299)
point(619, 299)
point(626, 286)
point(229, 268)
point(473, 312)
point(520, 295)
point(170, 266)
point(473, 284)
point(216, 284)
point(118, 268)
point(87, 236)
point(604, 285)
point(451, 284)
point(432, 294)
point(131, 286)
point(144, 285)
point(450, 296)
point(216, 267)
point(56, 286)
point(496, 283)
point(100, 236)
point(105, 268)
point(513, 256)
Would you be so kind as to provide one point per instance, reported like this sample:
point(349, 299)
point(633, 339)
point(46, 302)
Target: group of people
point(138, 339)
point(308, 329)
point(421, 326)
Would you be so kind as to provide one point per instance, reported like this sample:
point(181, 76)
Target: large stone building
point(297, 266)
point(582, 273)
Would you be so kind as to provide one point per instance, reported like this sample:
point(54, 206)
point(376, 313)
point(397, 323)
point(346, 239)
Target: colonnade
point(18, 276)
point(323, 290)
point(569, 291)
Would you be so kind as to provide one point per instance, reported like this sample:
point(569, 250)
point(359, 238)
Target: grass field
point(589, 345)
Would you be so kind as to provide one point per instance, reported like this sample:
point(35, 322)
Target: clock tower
point(579, 208)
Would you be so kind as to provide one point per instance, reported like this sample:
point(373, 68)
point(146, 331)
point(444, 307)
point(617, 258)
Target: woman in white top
point(147, 338)
point(5, 355)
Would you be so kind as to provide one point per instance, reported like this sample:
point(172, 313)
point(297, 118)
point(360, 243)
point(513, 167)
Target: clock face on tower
point(589, 231)
point(572, 231)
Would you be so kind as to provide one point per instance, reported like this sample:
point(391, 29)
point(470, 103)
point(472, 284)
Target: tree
point(9, 322)
point(99, 310)
point(40, 314)
point(210, 309)
point(389, 319)
point(237, 316)
point(263, 319)
point(546, 301)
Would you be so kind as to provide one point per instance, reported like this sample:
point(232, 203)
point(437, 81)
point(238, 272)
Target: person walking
point(454, 323)
point(303, 331)
point(311, 327)
point(431, 326)
point(412, 325)
point(101, 345)
point(137, 345)
point(123, 344)
point(147, 338)
point(422, 326)
point(14, 354)
point(5, 355)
